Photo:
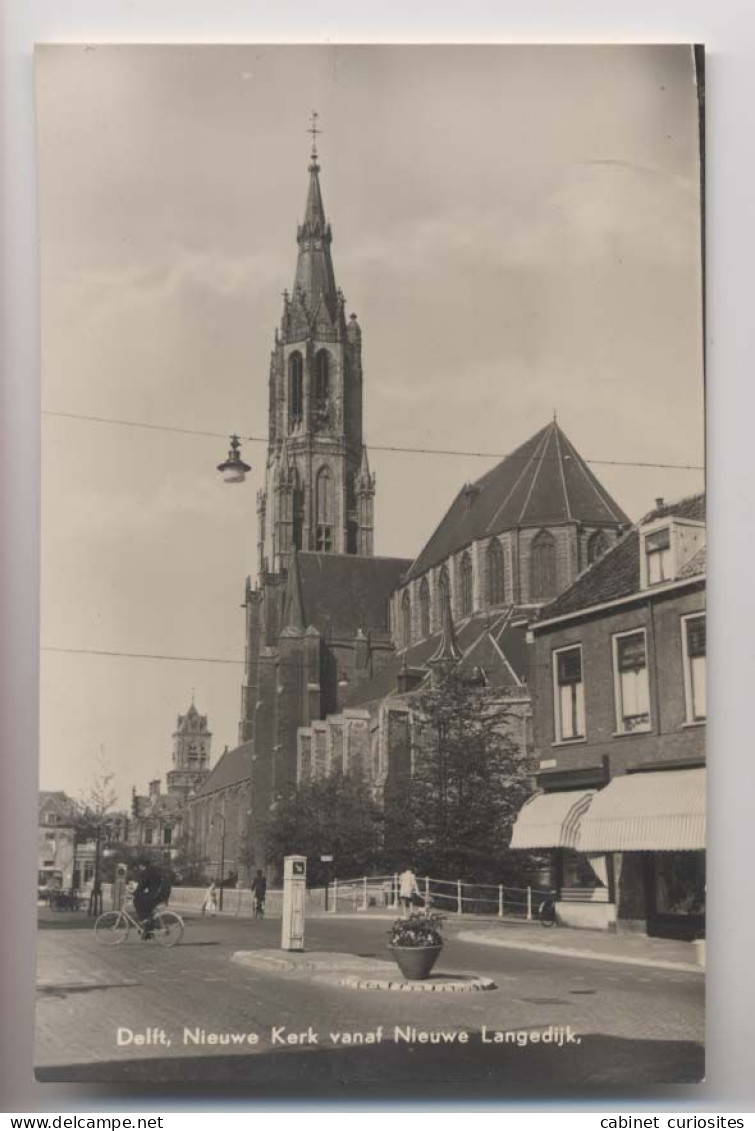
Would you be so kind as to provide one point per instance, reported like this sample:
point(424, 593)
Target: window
point(569, 694)
point(543, 566)
point(694, 645)
point(295, 389)
point(424, 609)
point(297, 508)
point(406, 620)
point(322, 378)
point(465, 586)
point(496, 574)
point(444, 592)
point(596, 547)
point(167, 835)
point(658, 556)
point(324, 505)
point(148, 832)
point(631, 682)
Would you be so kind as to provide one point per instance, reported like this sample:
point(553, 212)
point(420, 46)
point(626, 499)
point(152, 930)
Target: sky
point(517, 229)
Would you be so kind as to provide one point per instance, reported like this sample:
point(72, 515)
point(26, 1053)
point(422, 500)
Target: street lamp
point(219, 816)
point(233, 468)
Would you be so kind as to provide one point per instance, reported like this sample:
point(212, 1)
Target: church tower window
point(465, 586)
point(424, 609)
point(543, 566)
point(406, 620)
point(444, 592)
point(295, 389)
point(324, 510)
point(496, 574)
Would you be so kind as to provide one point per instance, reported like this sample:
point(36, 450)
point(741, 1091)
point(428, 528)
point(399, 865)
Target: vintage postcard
point(373, 692)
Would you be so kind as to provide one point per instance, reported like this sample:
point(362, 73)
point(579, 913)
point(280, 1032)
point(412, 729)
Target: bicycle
point(546, 912)
point(113, 927)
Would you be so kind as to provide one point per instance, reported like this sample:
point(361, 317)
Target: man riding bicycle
point(153, 888)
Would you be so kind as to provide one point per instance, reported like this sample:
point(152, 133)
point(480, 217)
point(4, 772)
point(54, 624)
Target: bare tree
point(96, 803)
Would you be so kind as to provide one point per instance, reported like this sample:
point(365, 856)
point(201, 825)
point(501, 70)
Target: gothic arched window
point(295, 389)
point(424, 609)
point(322, 376)
point(406, 619)
point(465, 586)
point(324, 510)
point(444, 592)
point(496, 574)
point(543, 566)
point(596, 546)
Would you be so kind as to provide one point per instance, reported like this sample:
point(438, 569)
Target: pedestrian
point(259, 890)
point(210, 905)
point(408, 889)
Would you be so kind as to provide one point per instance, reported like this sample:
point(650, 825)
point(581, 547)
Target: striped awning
point(656, 811)
point(551, 820)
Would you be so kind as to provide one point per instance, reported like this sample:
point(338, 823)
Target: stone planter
point(415, 962)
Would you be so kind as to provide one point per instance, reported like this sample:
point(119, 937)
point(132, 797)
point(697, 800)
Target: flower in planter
point(419, 929)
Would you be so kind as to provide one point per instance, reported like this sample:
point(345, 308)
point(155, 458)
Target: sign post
point(327, 861)
point(294, 896)
point(119, 886)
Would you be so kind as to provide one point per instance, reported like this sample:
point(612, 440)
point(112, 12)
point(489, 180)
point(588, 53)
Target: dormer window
point(666, 546)
point(658, 556)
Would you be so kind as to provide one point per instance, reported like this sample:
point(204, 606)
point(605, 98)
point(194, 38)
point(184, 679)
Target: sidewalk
point(598, 946)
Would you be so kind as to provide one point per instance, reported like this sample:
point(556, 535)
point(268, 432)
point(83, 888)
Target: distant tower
point(191, 753)
point(318, 491)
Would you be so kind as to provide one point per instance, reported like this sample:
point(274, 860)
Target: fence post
point(529, 902)
point(364, 894)
point(458, 897)
point(500, 901)
point(427, 892)
point(394, 889)
point(335, 895)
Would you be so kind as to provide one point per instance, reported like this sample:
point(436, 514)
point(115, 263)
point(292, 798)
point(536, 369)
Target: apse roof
point(544, 482)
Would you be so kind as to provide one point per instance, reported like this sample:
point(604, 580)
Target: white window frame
point(689, 698)
point(558, 724)
point(665, 558)
point(617, 694)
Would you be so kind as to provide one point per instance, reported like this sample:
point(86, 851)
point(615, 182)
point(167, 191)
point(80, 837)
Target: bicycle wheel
point(111, 928)
point(168, 928)
point(546, 913)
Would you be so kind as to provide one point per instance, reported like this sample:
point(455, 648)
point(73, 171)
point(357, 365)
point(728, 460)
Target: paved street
point(636, 1026)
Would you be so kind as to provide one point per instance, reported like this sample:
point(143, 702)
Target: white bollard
point(364, 894)
point(529, 902)
point(294, 899)
point(500, 901)
point(458, 897)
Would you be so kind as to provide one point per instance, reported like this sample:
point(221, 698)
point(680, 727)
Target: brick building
point(216, 818)
point(619, 723)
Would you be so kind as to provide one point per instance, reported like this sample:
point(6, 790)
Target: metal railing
point(459, 897)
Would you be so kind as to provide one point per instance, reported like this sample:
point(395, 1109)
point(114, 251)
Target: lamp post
point(219, 816)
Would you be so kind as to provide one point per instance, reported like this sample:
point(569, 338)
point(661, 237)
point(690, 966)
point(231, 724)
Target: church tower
point(319, 492)
point(191, 753)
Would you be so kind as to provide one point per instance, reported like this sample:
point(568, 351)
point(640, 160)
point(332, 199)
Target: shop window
point(569, 694)
point(679, 883)
point(631, 682)
point(582, 873)
point(694, 644)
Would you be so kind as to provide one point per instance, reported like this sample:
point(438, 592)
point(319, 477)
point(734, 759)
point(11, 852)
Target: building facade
point(619, 706)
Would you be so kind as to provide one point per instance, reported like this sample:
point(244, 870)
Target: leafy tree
point(468, 781)
point(335, 816)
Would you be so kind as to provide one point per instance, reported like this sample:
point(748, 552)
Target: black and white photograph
point(373, 598)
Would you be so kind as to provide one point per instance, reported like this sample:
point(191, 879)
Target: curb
point(572, 952)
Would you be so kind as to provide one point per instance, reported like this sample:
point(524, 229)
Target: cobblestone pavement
point(621, 1026)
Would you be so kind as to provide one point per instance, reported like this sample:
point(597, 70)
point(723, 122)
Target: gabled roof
point(341, 593)
point(232, 768)
point(617, 573)
point(542, 483)
point(480, 640)
point(56, 801)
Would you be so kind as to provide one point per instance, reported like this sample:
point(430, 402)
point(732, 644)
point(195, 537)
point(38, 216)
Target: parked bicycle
point(546, 912)
point(114, 927)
